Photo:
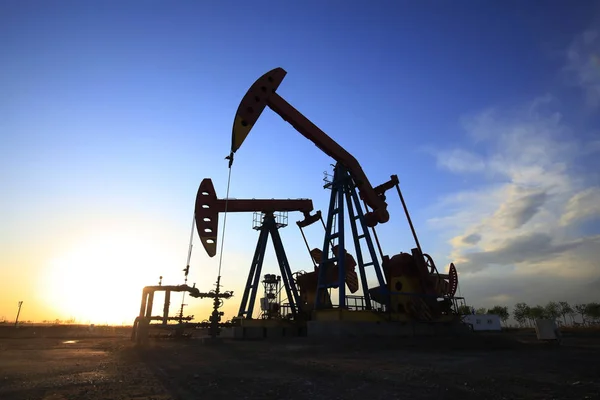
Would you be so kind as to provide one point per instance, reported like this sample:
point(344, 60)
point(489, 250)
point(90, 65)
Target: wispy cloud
point(522, 205)
point(583, 205)
point(523, 222)
point(583, 64)
point(460, 160)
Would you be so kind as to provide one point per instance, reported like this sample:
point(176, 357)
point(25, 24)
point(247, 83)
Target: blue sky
point(113, 112)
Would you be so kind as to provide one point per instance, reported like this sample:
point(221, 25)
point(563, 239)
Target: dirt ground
point(482, 366)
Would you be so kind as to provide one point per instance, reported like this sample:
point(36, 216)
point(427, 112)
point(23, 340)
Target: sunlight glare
point(100, 280)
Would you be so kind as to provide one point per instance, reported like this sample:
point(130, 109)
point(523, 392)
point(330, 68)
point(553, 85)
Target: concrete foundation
point(227, 333)
point(240, 332)
point(259, 329)
point(211, 341)
point(271, 329)
point(363, 329)
point(274, 332)
point(294, 331)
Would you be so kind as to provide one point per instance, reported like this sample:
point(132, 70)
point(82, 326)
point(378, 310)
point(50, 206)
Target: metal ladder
point(343, 188)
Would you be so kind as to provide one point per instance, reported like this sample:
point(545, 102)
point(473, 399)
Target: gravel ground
point(500, 366)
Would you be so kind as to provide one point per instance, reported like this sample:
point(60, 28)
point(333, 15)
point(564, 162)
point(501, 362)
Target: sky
point(112, 113)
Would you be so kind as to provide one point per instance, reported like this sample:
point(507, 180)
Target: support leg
point(341, 252)
point(149, 304)
point(322, 274)
point(247, 304)
point(143, 305)
point(166, 307)
point(336, 208)
point(286, 273)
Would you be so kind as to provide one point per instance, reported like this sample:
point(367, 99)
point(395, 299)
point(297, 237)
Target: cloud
point(517, 211)
point(459, 160)
point(530, 249)
point(473, 238)
point(583, 205)
point(511, 288)
point(583, 64)
point(523, 221)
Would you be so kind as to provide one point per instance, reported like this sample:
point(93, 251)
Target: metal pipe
point(189, 257)
point(144, 302)
point(308, 247)
point(186, 270)
point(18, 313)
point(408, 218)
point(166, 307)
point(149, 304)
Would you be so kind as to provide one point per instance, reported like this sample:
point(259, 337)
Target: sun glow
point(100, 279)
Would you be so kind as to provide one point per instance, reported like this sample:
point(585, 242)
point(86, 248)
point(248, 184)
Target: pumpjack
point(408, 285)
point(207, 210)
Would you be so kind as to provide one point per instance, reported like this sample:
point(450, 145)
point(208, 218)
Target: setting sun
point(100, 279)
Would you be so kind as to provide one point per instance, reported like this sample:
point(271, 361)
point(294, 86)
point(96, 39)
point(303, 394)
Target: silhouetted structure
point(141, 324)
point(18, 313)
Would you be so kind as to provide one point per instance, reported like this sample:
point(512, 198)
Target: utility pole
point(18, 313)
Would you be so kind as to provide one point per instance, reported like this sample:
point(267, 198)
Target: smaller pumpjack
point(207, 210)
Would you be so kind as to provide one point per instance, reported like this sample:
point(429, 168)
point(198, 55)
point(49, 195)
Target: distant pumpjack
point(207, 210)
